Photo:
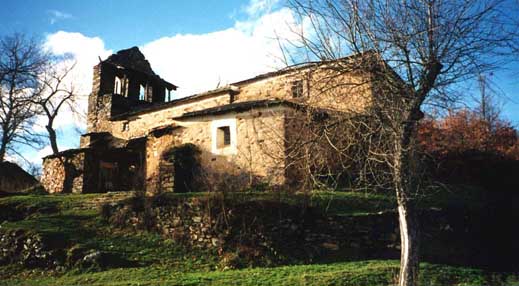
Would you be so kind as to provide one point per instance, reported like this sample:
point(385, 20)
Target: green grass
point(75, 220)
point(369, 273)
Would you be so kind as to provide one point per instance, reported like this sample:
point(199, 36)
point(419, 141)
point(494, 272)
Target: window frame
point(223, 132)
point(297, 89)
point(216, 126)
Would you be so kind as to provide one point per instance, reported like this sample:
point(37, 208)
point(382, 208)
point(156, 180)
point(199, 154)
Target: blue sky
point(119, 23)
point(193, 44)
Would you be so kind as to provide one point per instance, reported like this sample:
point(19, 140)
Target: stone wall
point(28, 249)
point(159, 167)
point(320, 151)
point(286, 233)
point(141, 124)
point(258, 157)
point(322, 88)
point(70, 172)
point(259, 153)
point(55, 174)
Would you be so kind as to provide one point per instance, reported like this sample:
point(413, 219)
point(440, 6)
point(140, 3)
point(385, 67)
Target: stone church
point(243, 129)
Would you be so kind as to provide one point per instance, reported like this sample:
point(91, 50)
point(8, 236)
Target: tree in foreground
point(418, 52)
point(55, 91)
point(33, 84)
point(22, 61)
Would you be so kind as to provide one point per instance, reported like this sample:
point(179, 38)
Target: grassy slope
point(351, 273)
point(155, 261)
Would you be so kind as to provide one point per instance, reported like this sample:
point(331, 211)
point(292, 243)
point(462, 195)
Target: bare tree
point(55, 90)
point(21, 62)
point(418, 51)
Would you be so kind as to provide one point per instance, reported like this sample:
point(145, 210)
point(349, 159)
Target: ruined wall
point(104, 104)
point(73, 171)
point(159, 167)
point(64, 174)
point(95, 113)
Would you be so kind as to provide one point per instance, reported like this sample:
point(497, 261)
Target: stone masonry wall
point(278, 230)
point(140, 125)
point(259, 156)
point(350, 92)
point(63, 174)
point(272, 228)
point(261, 148)
point(322, 88)
point(159, 169)
point(99, 105)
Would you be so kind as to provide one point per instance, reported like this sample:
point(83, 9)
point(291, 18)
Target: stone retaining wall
point(270, 233)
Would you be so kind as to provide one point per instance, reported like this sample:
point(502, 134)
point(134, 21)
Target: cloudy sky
point(194, 44)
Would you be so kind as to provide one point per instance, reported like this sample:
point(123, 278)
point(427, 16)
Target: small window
point(297, 88)
point(126, 126)
point(142, 92)
point(223, 137)
point(117, 85)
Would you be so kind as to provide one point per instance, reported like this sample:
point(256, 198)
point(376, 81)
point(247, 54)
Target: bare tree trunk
point(3, 148)
point(3, 144)
point(409, 240)
point(52, 139)
point(405, 183)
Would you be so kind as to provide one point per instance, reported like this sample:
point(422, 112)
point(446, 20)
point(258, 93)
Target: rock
point(176, 222)
point(92, 259)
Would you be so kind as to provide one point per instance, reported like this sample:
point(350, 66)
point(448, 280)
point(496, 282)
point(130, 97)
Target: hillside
point(81, 244)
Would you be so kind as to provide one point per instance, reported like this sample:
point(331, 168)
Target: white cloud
point(45, 151)
point(200, 62)
point(85, 52)
point(56, 16)
point(194, 62)
point(30, 156)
